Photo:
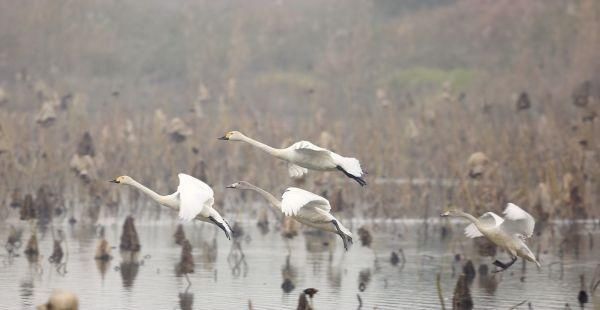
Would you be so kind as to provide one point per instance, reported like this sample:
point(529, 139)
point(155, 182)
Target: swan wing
point(326, 158)
point(305, 145)
point(517, 221)
point(471, 231)
point(294, 199)
point(318, 155)
point(195, 196)
point(489, 219)
point(296, 171)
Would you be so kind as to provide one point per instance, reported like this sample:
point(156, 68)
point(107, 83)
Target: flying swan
point(304, 155)
point(509, 233)
point(193, 199)
point(305, 207)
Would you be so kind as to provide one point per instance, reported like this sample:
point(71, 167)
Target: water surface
point(223, 281)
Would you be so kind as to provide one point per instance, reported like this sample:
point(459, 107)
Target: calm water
point(221, 281)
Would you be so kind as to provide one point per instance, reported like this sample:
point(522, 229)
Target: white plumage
point(489, 219)
point(294, 199)
point(303, 155)
point(296, 171)
point(193, 199)
point(303, 206)
point(349, 164)
point(508, 233)
point(305, 145)
point(196, 197)
point(517, 221)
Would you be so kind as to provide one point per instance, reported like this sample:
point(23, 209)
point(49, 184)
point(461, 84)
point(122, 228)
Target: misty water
point(224, 281)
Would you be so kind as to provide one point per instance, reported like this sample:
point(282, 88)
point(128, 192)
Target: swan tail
point(345, 231)
point(349, 164)
point(526, 253)
point(350, 167)
point(222, 223)
point(535, 260)
point(360, 180)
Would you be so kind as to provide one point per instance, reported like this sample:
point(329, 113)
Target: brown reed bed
point(71, 136)
point(557, 173)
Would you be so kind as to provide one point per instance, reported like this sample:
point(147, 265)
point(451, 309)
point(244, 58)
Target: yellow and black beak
point(114, 181)
point(445, 213)
point(223, 138)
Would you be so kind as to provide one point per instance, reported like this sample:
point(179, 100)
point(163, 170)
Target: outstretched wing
point(195, 196)
point(305, 145)
point(294, 199)
point(296, 171)
point(517, 221)
point(488, 219)
point(318, 155)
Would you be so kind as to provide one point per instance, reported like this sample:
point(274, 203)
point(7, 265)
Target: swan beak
point(230, 186)
point(114, 181)
point(444, 214)
point(223, 138)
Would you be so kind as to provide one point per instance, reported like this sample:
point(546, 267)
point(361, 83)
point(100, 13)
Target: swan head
point(240, 185)
point(122, 180)
point(232, 136)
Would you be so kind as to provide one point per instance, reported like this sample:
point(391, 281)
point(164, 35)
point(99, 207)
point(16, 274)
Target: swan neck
point(147, 191)
point(265, 148)
point(469, 217)
point(268, 196)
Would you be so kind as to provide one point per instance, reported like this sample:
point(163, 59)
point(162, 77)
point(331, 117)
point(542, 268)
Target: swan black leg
point(342, 235)
point(360, 180)
point(504, 266)
point(228, 226)
point(220, 226)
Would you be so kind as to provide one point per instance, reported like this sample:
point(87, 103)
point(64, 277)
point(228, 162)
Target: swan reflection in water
point(489, 282)
point(129, 267)
point(186, 300)
point(289, 273)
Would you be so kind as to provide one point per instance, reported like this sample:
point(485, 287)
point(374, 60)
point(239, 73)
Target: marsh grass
point(410, 115)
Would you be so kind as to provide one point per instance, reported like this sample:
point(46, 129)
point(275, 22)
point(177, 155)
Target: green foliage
point(426, 78)
point(291, 80)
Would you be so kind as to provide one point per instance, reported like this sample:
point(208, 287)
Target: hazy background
point(411, 88)
point(465, 103)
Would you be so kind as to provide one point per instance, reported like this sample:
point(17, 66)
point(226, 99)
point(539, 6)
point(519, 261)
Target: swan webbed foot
point(341, 234)
point(360, 180)
point(220, 226)
point(345, 242)
point(502, 265)
point(499, 264)
point(230, 229)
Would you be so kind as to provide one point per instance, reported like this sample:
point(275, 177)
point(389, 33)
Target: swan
point(61, 300)
point(509, 233)
point(193, 199)
point(303, 206)
point(304, 155)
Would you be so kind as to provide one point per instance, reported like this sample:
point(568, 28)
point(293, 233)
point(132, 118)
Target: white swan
point(305, 207)
point(304, 155)
point(509, 233)
point(193, 199)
